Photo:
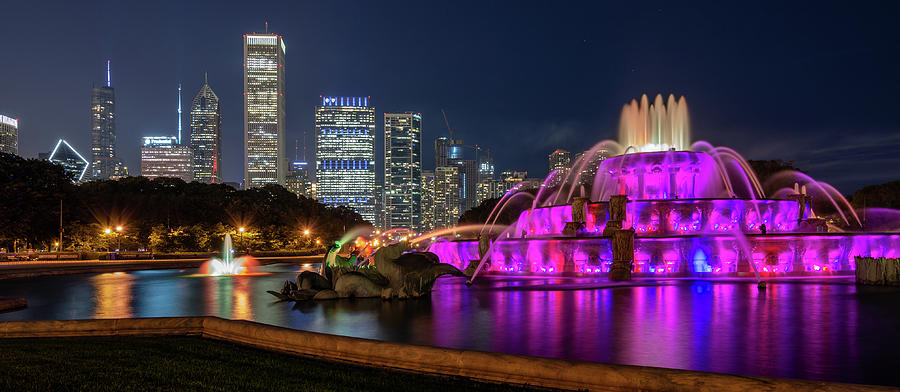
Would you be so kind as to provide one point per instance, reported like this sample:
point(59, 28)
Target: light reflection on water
point(825, 331)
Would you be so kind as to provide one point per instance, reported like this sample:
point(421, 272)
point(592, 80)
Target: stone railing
point(879, 271)
point(475, 365)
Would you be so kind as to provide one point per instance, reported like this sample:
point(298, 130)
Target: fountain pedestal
point(623, 255)
point(617, 204)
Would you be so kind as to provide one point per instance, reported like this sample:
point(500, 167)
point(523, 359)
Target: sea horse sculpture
point(395, 274)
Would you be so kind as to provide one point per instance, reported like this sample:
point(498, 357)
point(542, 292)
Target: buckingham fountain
point(653, 204)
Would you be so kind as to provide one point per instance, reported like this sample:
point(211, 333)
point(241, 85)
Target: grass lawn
point(191, 363)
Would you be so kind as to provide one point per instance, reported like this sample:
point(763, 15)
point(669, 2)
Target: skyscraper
point(345, 154)
point(299, 181)
point(450, 152)
point(73, 163)
point(162, 156)
point(402, 170)
point(427, 200)
point(206, 136)
point(559, 159)
point(446, 196)
point(105, 164)
point(264, 113)
point(9, 135)
point(485, 166)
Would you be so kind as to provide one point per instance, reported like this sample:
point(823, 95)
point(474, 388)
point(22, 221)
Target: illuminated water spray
point(228, 265)
point(655, 127)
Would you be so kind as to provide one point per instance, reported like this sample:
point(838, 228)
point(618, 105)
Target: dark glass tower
point(402, 170)
point(105, 164)
point(206, 136)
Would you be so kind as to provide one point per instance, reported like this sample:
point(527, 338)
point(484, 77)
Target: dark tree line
point(885, 195)
point(164, 214)
point(766, 169)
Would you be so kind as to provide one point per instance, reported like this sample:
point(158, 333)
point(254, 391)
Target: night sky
point(815, 83)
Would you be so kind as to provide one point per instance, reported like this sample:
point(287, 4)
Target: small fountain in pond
point(228, 265)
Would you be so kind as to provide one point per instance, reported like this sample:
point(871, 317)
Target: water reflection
point(822, 331)
point(112, 295)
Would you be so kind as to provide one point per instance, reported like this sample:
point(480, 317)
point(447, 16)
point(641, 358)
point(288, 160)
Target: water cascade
point(695, 209)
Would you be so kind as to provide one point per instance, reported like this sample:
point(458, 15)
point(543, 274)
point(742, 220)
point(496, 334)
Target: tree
point(31, 192)
point(885, 195)
point(766, 169)
point(508, 214)
point(164, 214)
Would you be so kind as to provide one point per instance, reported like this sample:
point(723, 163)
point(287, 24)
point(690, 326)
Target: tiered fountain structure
point(663, 207)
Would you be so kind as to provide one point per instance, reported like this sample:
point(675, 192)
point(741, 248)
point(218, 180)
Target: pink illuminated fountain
point(228, 265)
point(694, 209)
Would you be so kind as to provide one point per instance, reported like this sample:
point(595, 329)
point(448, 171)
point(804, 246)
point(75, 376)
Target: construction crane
point(448, 123)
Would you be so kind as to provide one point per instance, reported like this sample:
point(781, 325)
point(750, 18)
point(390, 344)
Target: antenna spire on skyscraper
point(107, 73)
point(179, 113)
point(267, 26)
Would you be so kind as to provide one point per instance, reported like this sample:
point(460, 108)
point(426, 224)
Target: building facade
point(9, 135)
point(402, 170)
point(560, 159)
point(206, 136)
point(105, 163)
point(485, 166)
point(162, 156)
point(299, 180)
point(589, 168)
point(345, 154)
point(446, 196)
point(264, 110)
point(73, 163)
point(427, 201)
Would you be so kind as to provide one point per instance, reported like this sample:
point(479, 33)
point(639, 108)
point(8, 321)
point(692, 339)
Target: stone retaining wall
point(476, 365)
point(8, 304)
point(879, 271)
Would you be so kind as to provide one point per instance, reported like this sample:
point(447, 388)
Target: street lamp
point(241, 235)
point(306, 232)
point(118, 237)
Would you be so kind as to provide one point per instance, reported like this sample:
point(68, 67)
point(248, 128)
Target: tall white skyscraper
point(345, 154)
point(403, 170)
point(9, 135)
point(264, 113)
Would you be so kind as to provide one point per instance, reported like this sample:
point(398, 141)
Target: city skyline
point(570, 81)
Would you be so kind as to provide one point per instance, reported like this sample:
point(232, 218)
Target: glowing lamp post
point(118, 237)
point(241, 235)
point(107, 231)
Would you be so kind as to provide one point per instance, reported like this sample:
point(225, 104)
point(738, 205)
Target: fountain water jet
point(228, 265)
point(694, 211)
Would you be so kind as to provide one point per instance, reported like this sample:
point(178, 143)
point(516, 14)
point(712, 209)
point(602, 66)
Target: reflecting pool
point(826, 329)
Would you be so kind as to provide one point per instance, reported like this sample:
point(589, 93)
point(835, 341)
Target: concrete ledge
point(476, 365)
point(31, 269)
point(8, 304)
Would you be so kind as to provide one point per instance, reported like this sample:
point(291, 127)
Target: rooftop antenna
point(107, 73)
point(179, 113)
point(267, 27)
point(205, 78)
